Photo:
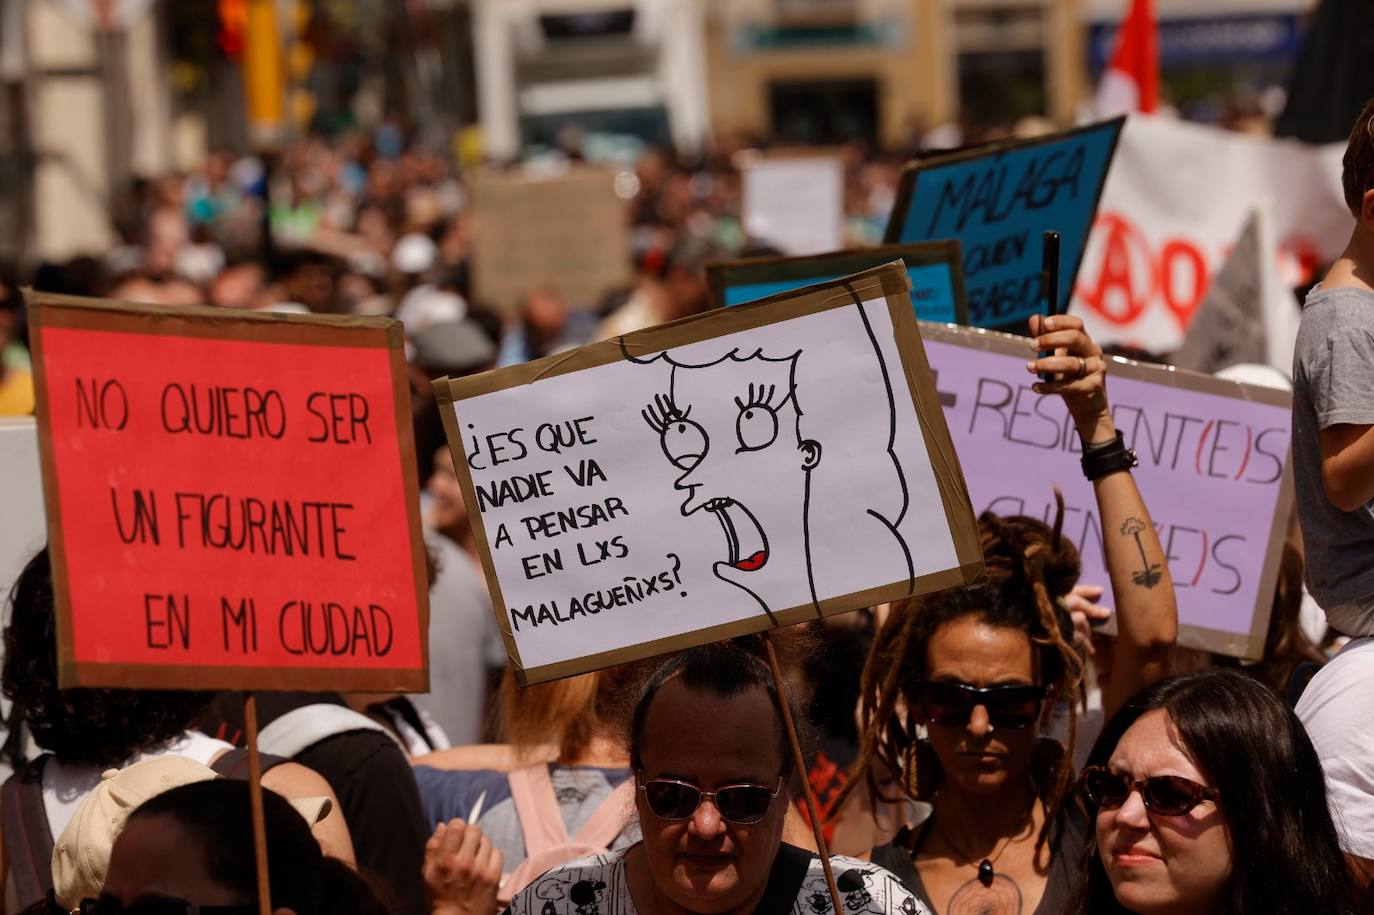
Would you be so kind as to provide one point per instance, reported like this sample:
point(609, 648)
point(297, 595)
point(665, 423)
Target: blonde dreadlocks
point(1030, 567)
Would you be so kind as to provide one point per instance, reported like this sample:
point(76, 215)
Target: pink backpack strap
point(546, 838)
point(608, 819)
point(536, 806)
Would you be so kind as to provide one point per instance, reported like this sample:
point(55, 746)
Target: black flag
point(1334, 75)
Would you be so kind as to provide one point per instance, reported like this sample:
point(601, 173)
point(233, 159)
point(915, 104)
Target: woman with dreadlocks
point(961, 687)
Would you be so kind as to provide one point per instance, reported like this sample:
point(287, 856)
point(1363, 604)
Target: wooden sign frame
point(71, 312)
point(889, 281)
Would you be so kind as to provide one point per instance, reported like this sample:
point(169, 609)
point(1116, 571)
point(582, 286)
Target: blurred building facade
point(96, 92)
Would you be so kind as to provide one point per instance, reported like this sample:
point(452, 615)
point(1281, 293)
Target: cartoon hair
point(1029, 568)
point(861, 480)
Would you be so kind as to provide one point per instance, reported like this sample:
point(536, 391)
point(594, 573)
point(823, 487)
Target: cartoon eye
point(756, 427)
point(685, 443)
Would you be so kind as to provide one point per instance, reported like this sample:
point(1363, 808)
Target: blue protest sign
point(935, 270)
point(998, 200)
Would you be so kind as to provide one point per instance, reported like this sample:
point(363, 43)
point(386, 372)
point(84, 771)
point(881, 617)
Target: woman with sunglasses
point(713, 772)
point(1209, 798)
point(961, 688)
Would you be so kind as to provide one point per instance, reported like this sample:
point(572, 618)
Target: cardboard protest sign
point(1213, 471)
point(999, 200)
point(935, 270)
point(795, 204)
point(1178, 197)
point(736, 470)
point(569, 233)
point(24, 530)
point(231, 498)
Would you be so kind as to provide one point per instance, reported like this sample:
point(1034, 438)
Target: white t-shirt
point(1337, 708)
point(596, 885)
point(65, 785)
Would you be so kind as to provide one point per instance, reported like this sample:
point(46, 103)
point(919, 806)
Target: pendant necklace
point(985, 870)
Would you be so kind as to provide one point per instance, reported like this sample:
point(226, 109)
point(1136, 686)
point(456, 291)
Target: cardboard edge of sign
point(1249, 646)
point(722, 275)
point(911, 174)
point(892, 283)
point(48, 310)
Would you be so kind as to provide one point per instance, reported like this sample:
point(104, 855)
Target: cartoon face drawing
point(853, 885)
point(586, 895)
point(818, 903)
point(796, 447)
point(731, 429)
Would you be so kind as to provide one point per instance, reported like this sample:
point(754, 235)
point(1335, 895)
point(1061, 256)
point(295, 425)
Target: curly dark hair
point(99, 727)
point(1030, 566)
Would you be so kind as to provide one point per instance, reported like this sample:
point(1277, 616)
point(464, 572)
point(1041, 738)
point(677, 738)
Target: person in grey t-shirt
point(1333, 411)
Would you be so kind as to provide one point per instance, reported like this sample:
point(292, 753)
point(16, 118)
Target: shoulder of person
point(581, 880)
point(1342, 686)
point(1340, 302)
point(857, 879)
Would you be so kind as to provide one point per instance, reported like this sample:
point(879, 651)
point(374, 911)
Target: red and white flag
point(1131, 80)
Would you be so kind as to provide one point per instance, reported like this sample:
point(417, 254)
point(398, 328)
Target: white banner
point(1177, 197)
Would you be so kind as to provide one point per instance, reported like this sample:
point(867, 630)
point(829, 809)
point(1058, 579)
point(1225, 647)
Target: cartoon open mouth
point(748, 545)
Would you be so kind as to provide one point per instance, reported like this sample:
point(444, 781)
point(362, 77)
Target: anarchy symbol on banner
point(1130, 274)
point(1126, 279)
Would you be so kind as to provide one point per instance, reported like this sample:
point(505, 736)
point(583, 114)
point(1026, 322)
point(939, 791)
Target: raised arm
point(1146, 609)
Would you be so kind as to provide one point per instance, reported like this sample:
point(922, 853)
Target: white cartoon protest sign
point(743, 469)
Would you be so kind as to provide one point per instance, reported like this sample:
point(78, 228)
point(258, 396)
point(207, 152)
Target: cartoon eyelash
point(662, 413)
point(760, 396)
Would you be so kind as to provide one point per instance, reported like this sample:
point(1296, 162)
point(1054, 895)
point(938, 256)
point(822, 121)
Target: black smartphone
point(1049, 286)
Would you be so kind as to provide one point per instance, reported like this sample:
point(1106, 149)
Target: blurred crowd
point(979, 750)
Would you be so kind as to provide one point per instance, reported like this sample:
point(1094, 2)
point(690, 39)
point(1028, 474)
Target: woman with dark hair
point(1209, 798)
point(713, 776)
point(86, 731)
point(192, 847)
point(963, 690)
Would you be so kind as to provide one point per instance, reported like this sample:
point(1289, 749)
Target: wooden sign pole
point(250, 724)
point(791, 726)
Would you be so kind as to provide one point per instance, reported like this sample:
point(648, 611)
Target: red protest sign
point(231, 499)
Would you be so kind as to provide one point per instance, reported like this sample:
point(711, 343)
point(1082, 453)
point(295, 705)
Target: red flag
point(1131, 80)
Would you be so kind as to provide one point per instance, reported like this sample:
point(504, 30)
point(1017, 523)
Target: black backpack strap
point(28, 837)
point(785, 880)
point(234, 763)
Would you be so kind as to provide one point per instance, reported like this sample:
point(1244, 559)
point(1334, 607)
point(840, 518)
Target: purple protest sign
point(1213, 471)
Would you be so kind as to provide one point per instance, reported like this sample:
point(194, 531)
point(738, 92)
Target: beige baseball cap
point(81, 855)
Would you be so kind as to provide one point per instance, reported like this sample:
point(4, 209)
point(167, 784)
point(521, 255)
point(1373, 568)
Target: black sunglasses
point(951, 703)
point(743, 804)
point(1168, 795)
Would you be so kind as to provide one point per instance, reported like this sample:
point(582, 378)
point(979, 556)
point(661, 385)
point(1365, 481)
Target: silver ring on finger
point(1082, 366)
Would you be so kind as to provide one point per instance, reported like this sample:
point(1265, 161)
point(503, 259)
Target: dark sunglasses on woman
point(160, 905)
point(949, 703)
point(742, 804)
point(1168, 795)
